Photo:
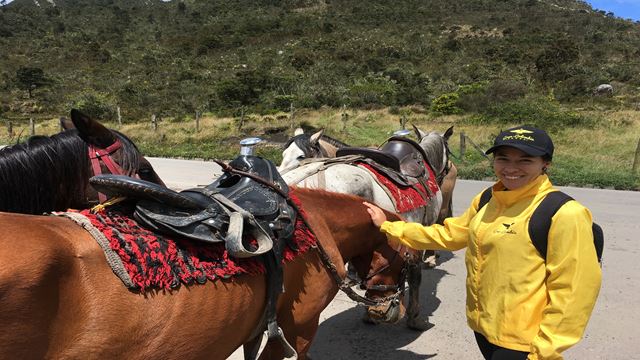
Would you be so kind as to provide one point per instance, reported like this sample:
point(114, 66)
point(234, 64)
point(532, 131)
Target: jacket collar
point(541, 184)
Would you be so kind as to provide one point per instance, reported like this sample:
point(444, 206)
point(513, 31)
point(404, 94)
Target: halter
point(346, 285)
point(399, 287)
point(313, 150)
point(96, 155)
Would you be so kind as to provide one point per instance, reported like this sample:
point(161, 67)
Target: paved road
point(610, 334)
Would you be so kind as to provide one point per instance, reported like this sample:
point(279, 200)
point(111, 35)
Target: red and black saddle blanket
point(406, 198)
point(144, 260)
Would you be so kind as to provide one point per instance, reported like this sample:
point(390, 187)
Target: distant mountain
point(172, 58)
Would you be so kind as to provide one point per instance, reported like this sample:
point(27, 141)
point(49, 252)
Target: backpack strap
point(485, 197)
point(598, 240)
point(540, 221)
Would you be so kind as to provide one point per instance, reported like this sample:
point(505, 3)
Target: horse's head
point(383, 274)
point(109, 151)
point(436, 147)
point(301, 146)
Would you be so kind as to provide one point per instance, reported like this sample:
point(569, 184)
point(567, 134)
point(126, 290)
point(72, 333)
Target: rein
point(343, 284)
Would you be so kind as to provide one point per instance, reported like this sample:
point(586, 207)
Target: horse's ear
point(66, 124)
point(316, 137)
point(448, 133)
point(419, 133)
point(298, 131)
point(92, 131)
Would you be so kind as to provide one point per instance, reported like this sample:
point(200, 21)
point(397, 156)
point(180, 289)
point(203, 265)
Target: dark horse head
point(46, 174)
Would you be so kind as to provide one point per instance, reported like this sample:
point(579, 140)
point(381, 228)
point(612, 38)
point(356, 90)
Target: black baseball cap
point(532, 141)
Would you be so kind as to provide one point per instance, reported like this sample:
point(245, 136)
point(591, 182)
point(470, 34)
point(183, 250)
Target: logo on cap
point(520, 135)
point(522, 131)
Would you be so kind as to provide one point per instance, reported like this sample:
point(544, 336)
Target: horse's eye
point(301, 157)
point(145, 173)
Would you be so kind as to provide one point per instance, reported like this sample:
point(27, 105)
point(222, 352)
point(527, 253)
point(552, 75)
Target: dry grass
point(602, 156)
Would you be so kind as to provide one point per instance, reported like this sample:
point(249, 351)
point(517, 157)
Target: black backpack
point(541, 221)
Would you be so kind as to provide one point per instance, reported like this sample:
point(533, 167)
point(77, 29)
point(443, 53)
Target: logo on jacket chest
point(506, 229)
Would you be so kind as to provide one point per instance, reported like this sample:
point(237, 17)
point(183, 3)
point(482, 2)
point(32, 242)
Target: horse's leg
point(414, 278)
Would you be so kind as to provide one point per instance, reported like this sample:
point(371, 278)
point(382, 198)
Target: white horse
point(340, 177)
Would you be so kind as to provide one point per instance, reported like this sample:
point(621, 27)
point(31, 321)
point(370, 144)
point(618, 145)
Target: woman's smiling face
point(515, 168)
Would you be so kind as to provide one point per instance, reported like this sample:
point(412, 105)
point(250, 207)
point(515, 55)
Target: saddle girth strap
point(275, 280)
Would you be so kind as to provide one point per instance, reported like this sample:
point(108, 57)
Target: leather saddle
point(398, 153)
point(231, 209)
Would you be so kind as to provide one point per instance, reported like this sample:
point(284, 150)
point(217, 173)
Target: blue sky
point(626, 9)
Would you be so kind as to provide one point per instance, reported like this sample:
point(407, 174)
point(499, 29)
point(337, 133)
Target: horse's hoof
point(419, 324)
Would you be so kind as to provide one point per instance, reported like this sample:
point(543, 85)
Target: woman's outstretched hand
point(377, 215)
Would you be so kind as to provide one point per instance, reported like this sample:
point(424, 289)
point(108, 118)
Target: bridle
point(346, 285)
point(313, 150)
point(398, 287)
point(99, 156)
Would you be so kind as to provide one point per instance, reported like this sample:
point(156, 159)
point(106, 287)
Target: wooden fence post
point(403, 121)
point(119, 117)
point(345, 118)
point(197, 121)
point(636, 159)
point(463, 144)
point(32, 126)
point(10, 129)
point(154, 122)
point(292, 111)
point(241, 122)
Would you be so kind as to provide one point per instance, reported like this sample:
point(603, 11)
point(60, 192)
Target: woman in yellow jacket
point(519, 305)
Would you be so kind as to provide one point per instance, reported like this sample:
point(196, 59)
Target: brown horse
point(46, 174)
point(60, 299)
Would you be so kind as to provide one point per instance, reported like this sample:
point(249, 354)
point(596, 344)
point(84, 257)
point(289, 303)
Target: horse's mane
point(303, 141)
point(46, 174)
point(130, 160)
point(334, 142)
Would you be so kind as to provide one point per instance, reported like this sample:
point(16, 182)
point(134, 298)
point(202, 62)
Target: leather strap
point(96, 155)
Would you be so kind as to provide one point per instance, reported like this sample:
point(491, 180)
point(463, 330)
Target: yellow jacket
point(514, 299)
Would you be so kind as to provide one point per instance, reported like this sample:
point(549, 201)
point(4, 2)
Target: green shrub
point(283, 102)
point(373, 89)
point(538, 111)
point(479, 97)
point(446, 104)
point(95, 104)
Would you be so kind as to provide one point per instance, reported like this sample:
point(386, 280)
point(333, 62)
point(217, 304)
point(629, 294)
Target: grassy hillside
point(173, 58)
point(482, 65)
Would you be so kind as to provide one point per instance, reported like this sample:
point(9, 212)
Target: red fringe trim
point(406, 198)
point(155, 261)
